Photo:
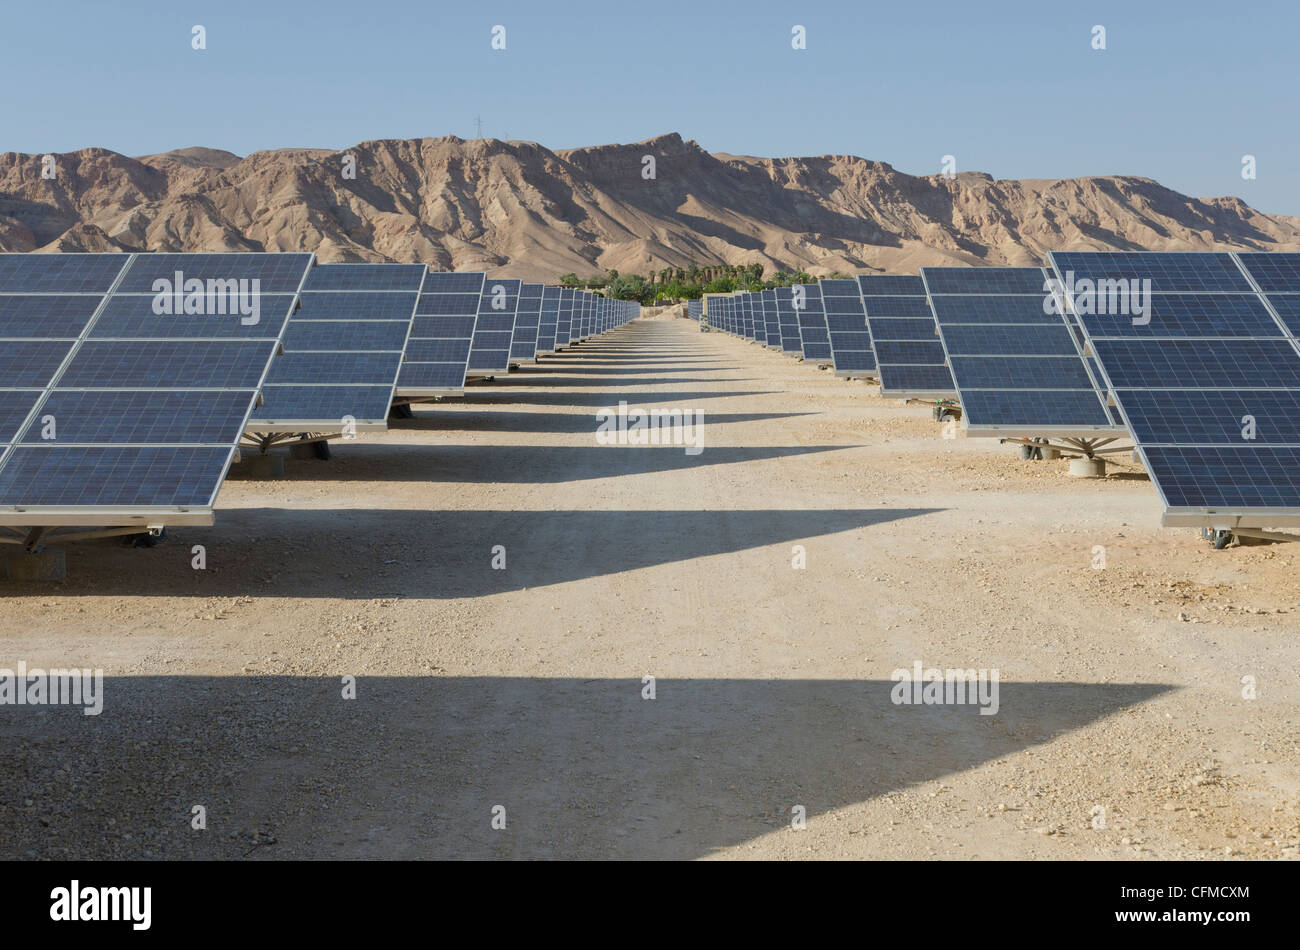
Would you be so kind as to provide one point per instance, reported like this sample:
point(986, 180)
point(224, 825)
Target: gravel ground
point(1121, 688)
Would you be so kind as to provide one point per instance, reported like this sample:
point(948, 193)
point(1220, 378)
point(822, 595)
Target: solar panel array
point(1016, 359)
point(846, 322)
point(548, 319)
point(523, 346)
point(343, 349)
point(1202, 356)
point(442, 332)
point(127, 381)
point(910, 361)
point(494, 331)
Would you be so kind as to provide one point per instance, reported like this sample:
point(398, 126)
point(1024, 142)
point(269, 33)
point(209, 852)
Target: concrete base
point(301, 450)
point(45, 566)
point(1088, 468)
point(260, 467)
point(1050, 454)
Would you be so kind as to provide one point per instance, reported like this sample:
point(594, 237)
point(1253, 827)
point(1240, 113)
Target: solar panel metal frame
point(1219, 517)
point(1046, 429)
point(136, 516)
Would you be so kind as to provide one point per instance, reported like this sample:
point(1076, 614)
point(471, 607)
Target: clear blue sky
point(1014, 88)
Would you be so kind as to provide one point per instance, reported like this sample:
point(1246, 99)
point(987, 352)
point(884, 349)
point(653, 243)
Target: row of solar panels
point(128, 381)
point(1195, 356)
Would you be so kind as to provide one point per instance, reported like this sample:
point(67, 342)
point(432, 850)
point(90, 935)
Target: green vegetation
point(687, 283)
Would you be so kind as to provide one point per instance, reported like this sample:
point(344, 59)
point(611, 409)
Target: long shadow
point(502, 381)
point(596, 399)
point(527, 464)
point(637, 368)
point(439, 555)
point(415, 766)
point(539, 422)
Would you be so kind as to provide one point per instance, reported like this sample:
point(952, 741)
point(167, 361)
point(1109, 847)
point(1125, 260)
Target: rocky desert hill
point(522, 209)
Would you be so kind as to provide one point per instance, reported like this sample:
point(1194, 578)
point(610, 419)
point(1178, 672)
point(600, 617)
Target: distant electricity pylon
point(478, 127)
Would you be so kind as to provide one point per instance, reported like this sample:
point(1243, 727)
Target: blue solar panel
point(235, 364)
point(142, 417)
point(1081, 409)
point(984, 280)
point(116, 476)
point(59, 273)
point(889, 285)
point(14, 407)
point(549, 320)
point(1172, 364)
point(333, 368)
point(276, 273)
point(1024, 372)
point(1287, 307)
point(1211, 417)
point(1190, 315)
point(1168, 272)
point(1274, 271)
point(891, 351)
point(132, 317)
point(993, 309)
point(45, 317)
point(359, 305)
point(447, 315)
point(144, 408)
point(27, 363)
point(899, 307)
point(1226, 477)
point(437, 351)
point(347, 335)
point(992, 339)
point(288, 404)
point(446, 282)
point(366, 277)
point(420, 376)
point(920, 331)
point(935, 379)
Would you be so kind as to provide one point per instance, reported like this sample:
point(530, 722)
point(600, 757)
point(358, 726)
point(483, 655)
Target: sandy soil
point(523, 687)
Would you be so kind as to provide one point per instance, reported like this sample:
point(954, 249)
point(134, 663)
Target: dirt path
point(523, 687)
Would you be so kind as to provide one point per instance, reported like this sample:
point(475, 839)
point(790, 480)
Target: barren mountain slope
point(520, 208)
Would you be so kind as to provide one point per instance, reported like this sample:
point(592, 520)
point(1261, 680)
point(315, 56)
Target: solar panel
point(788, 321)
point(1016, 360)
point(813, 334)
point(1168, 272)
point(910, 361)
point(343, 350)
point(129, 412)
point(1208, 388)
point(846, 321)
point(494, 331)
point(771, 319)
point(442, 331)
point(523, 346)
point(548, 320)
